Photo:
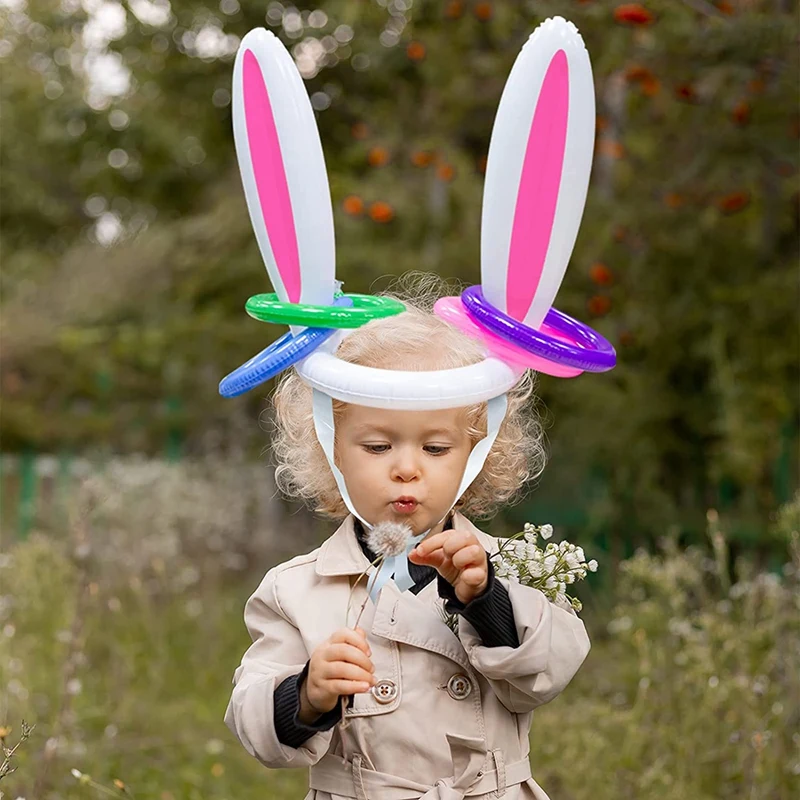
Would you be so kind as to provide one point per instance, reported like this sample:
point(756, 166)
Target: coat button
point(459, 686)
point(384, 691)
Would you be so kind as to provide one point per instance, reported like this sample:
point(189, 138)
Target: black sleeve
point(288, 727)
point(490, 613)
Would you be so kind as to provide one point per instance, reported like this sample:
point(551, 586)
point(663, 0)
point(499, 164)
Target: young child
point(430, 714)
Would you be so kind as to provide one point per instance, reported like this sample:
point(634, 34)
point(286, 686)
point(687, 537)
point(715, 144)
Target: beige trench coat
point(448, 719)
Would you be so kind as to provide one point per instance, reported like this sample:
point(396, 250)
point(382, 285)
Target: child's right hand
point(341, 665)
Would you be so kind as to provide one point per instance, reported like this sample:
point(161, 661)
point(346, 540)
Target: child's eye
point(437, 449)
point(376, 448)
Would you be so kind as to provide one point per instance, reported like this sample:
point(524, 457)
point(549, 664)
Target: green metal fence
point(36, 486)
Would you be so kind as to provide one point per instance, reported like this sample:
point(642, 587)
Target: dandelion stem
point(352, 589)
point(364, 604)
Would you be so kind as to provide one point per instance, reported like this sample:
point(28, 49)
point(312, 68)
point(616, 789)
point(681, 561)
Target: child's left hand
point(459, 558)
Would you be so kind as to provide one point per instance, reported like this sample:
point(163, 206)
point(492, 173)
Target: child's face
point(402, 466)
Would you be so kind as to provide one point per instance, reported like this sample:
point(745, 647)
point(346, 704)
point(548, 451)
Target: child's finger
point(431, 543)
point(342, 670)
point(472, 554)
point(433, 559)
point(348, 687)
point(355, 637)
point(458, 541)
point(473, 576)
point(451, 541)
point(347, 652)
point(364, 643)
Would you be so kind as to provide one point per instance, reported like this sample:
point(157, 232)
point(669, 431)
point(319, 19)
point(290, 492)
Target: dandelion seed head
point(389, 539)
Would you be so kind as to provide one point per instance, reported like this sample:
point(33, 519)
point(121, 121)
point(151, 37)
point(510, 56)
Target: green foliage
point(118, 642)
point(686, 257)
point(120, 637)
point(787, 522)
point(694, 693)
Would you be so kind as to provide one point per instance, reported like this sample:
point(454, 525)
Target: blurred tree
point(128, 253)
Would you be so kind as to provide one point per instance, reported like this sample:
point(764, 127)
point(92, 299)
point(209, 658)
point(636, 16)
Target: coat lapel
point(340, 554)
point(415, 620)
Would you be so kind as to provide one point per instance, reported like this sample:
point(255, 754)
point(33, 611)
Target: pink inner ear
point(270, 175)
point(538, 189)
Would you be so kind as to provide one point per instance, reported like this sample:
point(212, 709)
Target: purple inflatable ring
point(592, 352)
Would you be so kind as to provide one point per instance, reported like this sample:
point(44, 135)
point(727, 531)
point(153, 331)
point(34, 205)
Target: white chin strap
point(397, 566)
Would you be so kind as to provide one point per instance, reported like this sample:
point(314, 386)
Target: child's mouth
point(405, 505)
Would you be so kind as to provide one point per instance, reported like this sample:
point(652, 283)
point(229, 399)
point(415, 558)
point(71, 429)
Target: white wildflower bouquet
point(520, 558)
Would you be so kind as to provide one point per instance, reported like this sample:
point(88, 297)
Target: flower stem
point(507, 543)
point(363, 605)
point(352, 589)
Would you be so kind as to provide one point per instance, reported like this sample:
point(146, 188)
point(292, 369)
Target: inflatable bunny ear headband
point(536, 181)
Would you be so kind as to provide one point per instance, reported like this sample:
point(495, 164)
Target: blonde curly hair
point(404, 342)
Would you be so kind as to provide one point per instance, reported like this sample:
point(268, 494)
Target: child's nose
point(405, 467)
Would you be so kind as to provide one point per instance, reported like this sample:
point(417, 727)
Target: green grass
point(121, 654)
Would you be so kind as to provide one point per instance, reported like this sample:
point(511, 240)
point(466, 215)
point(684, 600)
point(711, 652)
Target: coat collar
point(341, 554)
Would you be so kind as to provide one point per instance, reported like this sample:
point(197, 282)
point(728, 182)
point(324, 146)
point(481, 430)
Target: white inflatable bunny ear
point(283, 170)
point(537, 172)
point(537, 176)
